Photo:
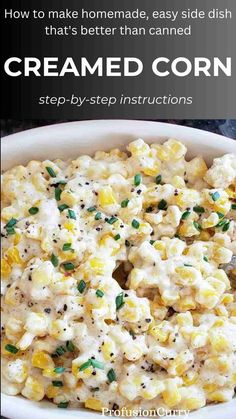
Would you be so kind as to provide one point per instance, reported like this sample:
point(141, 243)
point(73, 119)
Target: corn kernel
point(5, 268)
point(13, 256)
point(106, 197)
point(171, 394)
point(34, 389)
point(93, 404)
point(42, 360)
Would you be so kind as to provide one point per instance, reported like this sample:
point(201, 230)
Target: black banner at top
point(118, 59)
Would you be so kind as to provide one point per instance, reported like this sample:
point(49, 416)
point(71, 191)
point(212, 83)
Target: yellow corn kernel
point(171, 394)
point(178, 182)
point(12, 296)
point(221, 311)
point(204, 236)
point(52, 391)
point(219, 342)
point(221, 275)
point(106, 197)
point(231, 192)
point(198, 167)
point(138, 148)
point(209, 387)
point(17, 238)
point(233, 379)
point(193, 403)
point(186, 303)
point(151, 170)
point(162, 153)
point(5, 268)
point(159, 333)
point(176, 148)
point(135, 278)
point(50, 373)
point(207, 297)
point(210, 221)
point(69, 198)
point(156, 388)
point(184, 319)
point(108, 349)
point(161, 247)
point(13, 328)
point(93, 404)
point(198, 339)
point(70, 226)
point(97, 265)
point(190, 378)
point(186, 275)
point(42, 360)
point(13, 256)
point(227, 298)
point(80, 374)
point(104, 239)
point(218, 396)
point(34, 389)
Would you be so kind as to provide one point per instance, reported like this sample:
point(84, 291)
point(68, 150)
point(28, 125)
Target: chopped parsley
point(215, 196)
point(68, 266)
point(197, 226)
point(198, 209)
point(58, 192)
point(124, 203)
point(185, 215)
point(33, 210)
point(135, 224)
point(70, 346)
point(112, 220)
point(11, 348)
point(111, 375)
point(137, 179)
point(162, 205)
point(98, 216)
point(51, 171)
point(57, 383)
point(59, 370)
point(99, 293)
point(81, 286)
point(120, 301)
point(63, 405)
point(62, 207)
point(71, 214)
point(66, 247)
point(158, 179)
point(54, 260)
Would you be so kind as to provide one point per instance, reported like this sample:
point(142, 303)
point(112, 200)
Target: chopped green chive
point(11, 348)
point(205, 258)
point(71, 214)
point(68, 266)
point(58, 192)
point(33, 210)
point(66, 246)
point(97, 364)
point(117, 237)
point(62, 207)
point(152, 242)
point(124, 203)
point(215, 196)
point(99, 293)
point(185, 215)
point(85, 365)
point(135, 224)
point(197, 226)
point(63, 405)
point(70, 346)
point(188, 265)
point(62, 182)
point(233, 206)
point(11, 222)
point(91, 209)
point(158, 179)
point(60, 350)
point(220, 214)
point(59, 370)
point(137, 179)
point(98, 216)
point(223, 223)
point(120, 301)
point(112, 220)
point(10, 230)
point(198, 209)
point(54, 260)
point(162, 205)
point(149, 209)
point(127, 243)
point(226, 226)
point(57, 383)
point(51, 172)
point(111, 375)
point(81, 286)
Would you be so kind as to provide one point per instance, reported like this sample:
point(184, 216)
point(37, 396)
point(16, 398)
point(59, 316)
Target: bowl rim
point(18, 407)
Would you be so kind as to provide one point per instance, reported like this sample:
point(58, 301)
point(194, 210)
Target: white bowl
point(70, 140)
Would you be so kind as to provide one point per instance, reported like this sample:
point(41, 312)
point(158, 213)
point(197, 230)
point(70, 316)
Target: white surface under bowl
point(68, 141)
